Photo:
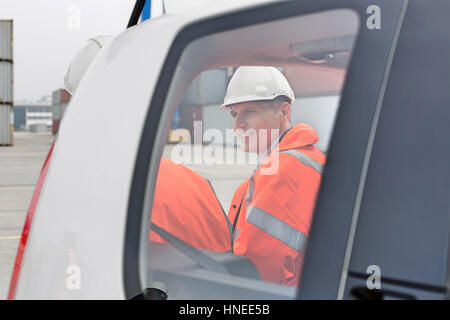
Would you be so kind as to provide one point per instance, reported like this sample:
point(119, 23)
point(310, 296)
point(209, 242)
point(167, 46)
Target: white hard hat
point(256, 84)
point(82, 60)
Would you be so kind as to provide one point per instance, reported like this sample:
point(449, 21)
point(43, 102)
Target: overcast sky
point(47, 34)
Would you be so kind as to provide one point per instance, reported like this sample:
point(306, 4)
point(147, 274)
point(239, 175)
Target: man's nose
point(239, 123)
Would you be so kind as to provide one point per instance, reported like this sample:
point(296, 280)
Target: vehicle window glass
point(242, 163)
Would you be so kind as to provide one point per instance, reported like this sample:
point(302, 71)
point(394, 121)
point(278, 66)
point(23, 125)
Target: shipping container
point(6, 78)
point(56, 97)
point(55, 126)
point(60, 100)
point(215, 118)
point(58, 112)
point(188, 116)
point(6, 32)
point(206, 89)
point(6, 125)
point(6, 82)
point(60, 96)
point(65, 96)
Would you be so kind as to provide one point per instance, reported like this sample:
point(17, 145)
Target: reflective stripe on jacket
point(186, 206)
point(273, 224)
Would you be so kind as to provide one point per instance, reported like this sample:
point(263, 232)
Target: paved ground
point(19, 171)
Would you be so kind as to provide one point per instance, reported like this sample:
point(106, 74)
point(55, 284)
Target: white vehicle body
point(86, 190)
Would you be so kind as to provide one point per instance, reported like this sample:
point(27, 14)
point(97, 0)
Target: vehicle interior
point(313, 52)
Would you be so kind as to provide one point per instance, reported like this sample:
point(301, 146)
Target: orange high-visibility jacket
point(276, 207)
point(186, 206)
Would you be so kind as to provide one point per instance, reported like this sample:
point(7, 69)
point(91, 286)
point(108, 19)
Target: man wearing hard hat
point(271, 211)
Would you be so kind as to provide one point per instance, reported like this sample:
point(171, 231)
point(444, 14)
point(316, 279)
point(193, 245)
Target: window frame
point(348, 135)
point(409, 201)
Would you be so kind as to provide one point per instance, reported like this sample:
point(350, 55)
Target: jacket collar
point(298, 136)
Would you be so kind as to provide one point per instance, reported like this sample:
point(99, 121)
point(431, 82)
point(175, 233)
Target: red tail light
point(27, 226)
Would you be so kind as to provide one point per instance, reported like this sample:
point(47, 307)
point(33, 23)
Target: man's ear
point(286, 111)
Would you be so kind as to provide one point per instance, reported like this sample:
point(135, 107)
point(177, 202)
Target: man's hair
point(278, 102)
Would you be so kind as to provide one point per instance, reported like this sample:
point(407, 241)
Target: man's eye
point(250, 111)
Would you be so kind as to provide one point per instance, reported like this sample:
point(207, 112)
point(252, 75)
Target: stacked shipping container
point(206, 89)
point(6, 83)
point(60, 100)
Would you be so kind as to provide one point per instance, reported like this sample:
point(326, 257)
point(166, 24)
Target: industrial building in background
point(43, 115)
point(6, 83)
point(33, 116)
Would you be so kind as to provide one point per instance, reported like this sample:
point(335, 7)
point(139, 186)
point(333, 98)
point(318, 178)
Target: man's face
point(256, 124)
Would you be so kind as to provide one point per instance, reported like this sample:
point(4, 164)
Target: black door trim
point(367, 157)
